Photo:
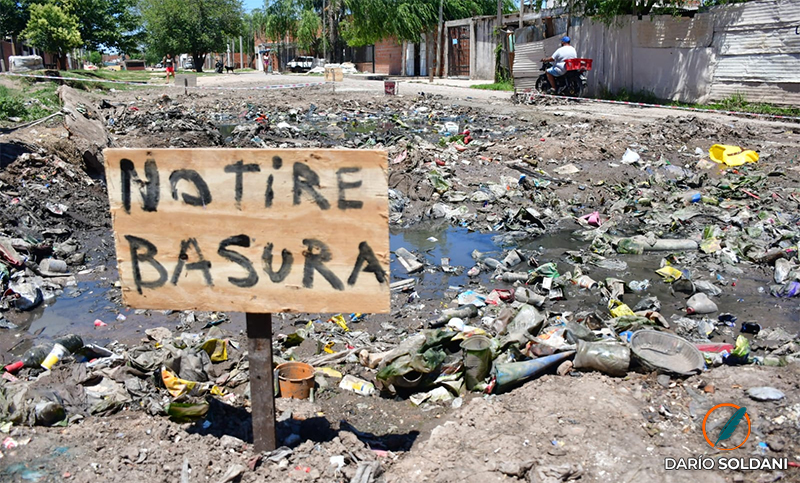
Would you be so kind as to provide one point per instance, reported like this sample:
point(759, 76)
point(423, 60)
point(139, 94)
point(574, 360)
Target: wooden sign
point(251, 230)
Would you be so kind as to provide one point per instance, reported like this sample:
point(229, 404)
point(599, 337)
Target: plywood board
point(251, 230)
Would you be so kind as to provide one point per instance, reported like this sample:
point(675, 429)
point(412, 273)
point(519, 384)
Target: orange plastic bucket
point(295, 379)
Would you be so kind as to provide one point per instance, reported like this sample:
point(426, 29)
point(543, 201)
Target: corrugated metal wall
point(752, 48)
point(758, 52)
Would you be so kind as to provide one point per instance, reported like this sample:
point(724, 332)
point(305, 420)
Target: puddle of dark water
point(73, 312)
point(743, 300)
point(76, 310)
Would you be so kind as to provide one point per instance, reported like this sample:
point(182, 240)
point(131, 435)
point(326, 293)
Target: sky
point(251, 4)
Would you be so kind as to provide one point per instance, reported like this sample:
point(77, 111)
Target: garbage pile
point(67, 379)
point(53, 210)
point(161, 122)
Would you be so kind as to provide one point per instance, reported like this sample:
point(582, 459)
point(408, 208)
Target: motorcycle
point(572, 83)
point(218, 67)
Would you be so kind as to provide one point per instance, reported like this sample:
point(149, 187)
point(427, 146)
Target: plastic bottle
point(511, 277)
point(692, 197)
point(36, 355)
point(464, 312)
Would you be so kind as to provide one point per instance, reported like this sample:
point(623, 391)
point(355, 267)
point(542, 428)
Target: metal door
point(458, 61)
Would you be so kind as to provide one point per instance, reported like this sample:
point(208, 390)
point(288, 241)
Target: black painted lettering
point(148, 256)
point(286, 264)
point(305, 179)
point(240, 168)
point(270, 194)
point(236, 257)
point(204, 194)
point(366, 255)
point(149, 190)
point(344, 203)
point(277, 162)
point(200, 264)
point(317, 253)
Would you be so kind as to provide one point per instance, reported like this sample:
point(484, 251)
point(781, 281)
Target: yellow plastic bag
point(731, 155)
point(621, 310)
point(670, 274)
point(217, 349)
point(178, 387)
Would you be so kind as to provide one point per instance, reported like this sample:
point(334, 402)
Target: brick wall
point(365, 66)
point(388, 57)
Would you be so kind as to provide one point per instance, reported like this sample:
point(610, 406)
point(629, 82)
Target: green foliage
point(643, 96)
point(609, 10)
point(95, 57)
point(110, 24)
point(739, 102)
point(52, 29)
point(504, 85)
point(13, 17)
point(374, 20)
point(196, 27)
point(309, 31)
point(10, 104)
point(736, 102)
point(30, 105)
point(281, 20)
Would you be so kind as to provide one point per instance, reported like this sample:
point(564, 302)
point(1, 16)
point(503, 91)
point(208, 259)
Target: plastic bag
point(607, 357)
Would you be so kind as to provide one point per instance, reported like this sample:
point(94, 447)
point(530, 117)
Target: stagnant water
point(76, 310)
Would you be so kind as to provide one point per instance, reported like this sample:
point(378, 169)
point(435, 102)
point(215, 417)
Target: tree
point(52, 29)
point(95, 57)
point(196, 27)
point(373, 20)
point(281, 22)
point(106, 24)
point(308, 32)
point(13, 17)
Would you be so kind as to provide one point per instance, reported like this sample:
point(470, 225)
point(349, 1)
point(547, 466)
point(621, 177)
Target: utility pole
point(521, 11)
point(439, 40)
point(241, 54)
point(325, 33)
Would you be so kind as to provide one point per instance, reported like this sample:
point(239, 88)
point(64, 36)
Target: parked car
point(189, 64)
point(301, 64)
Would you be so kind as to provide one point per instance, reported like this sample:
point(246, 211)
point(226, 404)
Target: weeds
point(30, 104)
point(737, 102)
point(504, 85)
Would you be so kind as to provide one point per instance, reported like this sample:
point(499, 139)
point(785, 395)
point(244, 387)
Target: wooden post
point(521, 12)
point(241, 54)
point(262, 389)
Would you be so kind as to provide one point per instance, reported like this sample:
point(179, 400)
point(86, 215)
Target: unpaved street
point(539, 221)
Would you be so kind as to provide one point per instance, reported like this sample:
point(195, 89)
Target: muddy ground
point(585, 426)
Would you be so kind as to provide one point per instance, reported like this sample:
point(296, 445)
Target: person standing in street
point(169, 63)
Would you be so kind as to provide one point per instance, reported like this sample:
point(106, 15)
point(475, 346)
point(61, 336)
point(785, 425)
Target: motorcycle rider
point(563, 53)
